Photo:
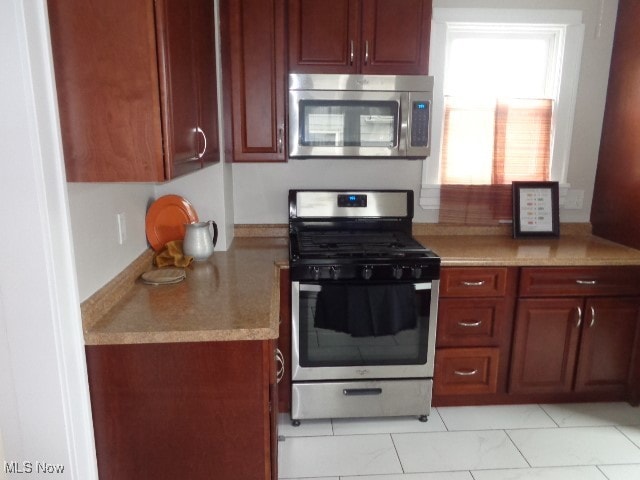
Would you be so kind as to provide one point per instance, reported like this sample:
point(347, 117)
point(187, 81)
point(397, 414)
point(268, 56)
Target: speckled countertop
point(235, 294)
point(232, 296)
point(481, 251)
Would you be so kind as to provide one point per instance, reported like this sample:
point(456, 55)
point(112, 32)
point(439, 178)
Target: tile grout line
point(395, 448)
point(518, 449)
point(603, 474)
point(548, 415)
point(617, 427)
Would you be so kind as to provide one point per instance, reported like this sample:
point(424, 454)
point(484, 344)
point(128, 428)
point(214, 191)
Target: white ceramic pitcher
point(198, 241)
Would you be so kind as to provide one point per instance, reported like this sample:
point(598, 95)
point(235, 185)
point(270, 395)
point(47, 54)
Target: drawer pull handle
point(586, 282)
point(352, 392)
point(470, 324)
point(479, 283)
point(466, 373)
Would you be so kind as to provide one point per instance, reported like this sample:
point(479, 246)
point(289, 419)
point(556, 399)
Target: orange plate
point(166, 218)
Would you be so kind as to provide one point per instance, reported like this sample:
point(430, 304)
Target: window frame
point(570, 22)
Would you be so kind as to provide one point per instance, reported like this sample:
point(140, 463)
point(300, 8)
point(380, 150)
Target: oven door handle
point(310, 287)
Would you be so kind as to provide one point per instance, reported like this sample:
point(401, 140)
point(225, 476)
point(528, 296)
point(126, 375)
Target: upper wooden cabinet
point(614, 213)
point(254, 79)
point(359, 36)
point(136, 83)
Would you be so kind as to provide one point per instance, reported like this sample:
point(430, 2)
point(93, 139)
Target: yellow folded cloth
point(172, 254)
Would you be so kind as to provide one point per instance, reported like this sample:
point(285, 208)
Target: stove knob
point(367, 272)
point(396, 271)
point(416, 272)
point(315, 272)
point(334, 272)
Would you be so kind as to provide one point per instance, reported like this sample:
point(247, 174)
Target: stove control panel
point(374, 272)
point(352, 200)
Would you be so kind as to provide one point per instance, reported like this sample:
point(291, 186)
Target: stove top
point(356, 235)
point(355, 244)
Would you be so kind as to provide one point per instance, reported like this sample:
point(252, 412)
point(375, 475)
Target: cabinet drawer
point(473, 282)
point(469, 322)
point(466, 371)
point(581, 281)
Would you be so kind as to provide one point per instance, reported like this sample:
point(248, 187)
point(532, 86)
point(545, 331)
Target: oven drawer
point(361, 399)
point(466, 371)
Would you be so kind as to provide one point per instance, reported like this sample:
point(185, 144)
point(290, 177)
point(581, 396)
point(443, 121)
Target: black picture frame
point(536, 209)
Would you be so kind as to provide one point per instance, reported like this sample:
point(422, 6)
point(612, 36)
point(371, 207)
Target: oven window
point(324, 343)
point(338, 123)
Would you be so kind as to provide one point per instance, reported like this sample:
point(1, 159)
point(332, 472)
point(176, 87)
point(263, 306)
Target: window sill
point(430, 196)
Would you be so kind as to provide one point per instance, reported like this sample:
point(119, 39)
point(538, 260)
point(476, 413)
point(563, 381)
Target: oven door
point(321, 353)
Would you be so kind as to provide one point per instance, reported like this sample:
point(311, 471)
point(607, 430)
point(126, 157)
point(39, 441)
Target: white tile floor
point(590, 441)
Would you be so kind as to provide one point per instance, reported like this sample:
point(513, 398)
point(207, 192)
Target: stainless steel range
point(364, 306)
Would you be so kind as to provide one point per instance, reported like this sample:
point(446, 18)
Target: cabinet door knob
point(199, 130)
point(280, 139)
point(351, 52)
point(280, 367)
point(579, 317)
point(593, 317)
point(366, 52)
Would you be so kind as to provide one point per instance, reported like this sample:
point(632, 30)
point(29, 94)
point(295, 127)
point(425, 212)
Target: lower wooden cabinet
point(284, 343)
point(607, 345)
point(466, 371)
point(473, 341)
point(545, 345)
point(568, 334)
point(572, 344)
point(184, 410)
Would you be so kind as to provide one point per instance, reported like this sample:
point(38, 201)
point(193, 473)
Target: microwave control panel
point(420, 124)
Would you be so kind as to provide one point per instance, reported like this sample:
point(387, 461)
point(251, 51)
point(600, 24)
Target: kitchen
point(237, 194)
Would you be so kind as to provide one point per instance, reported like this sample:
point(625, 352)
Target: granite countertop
point(232, 296)
point(235, 294)
point(487, 250)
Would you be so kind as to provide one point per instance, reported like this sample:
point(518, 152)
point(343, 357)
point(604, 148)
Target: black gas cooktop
point(356, 235)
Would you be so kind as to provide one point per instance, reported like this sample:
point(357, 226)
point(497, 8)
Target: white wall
point(260, 191)
point(44, 398)
point(94, 207)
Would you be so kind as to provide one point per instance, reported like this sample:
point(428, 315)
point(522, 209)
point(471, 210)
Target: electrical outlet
point(574, 200)
point(122, 228)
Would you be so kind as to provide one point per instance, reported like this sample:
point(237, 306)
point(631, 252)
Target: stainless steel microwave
point(360, 116)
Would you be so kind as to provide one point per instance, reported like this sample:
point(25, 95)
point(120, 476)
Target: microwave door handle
point(403, 116)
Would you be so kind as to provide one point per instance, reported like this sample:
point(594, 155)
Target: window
point(500, 85)
point(504, 94)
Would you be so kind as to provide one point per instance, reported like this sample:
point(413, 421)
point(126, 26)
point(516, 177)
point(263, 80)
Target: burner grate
point(338, 244)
